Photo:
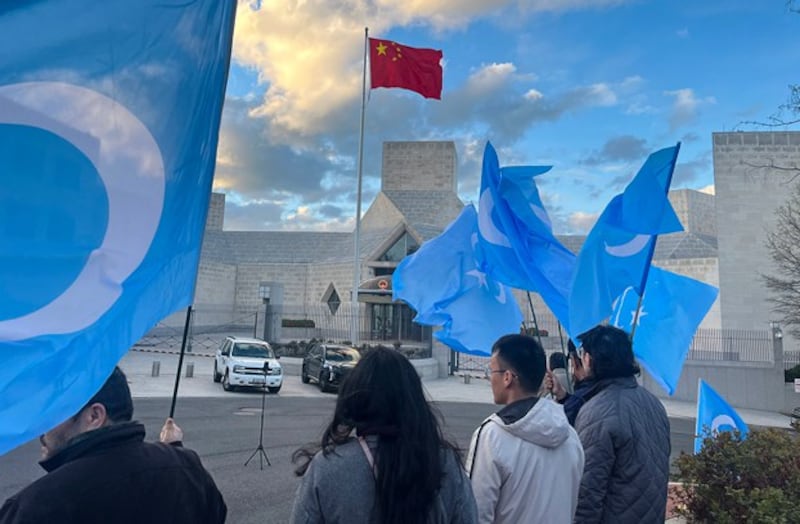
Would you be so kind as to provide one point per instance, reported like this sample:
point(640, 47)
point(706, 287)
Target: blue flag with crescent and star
point(516, 236)
point(109, 121)
point(619, 248)
point(445, 283)
point(714, 415)
point(671, 311)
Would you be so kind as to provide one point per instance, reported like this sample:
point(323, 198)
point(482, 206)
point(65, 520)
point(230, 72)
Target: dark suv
point(328, 364)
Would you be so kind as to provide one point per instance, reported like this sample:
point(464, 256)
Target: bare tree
point(783, 245)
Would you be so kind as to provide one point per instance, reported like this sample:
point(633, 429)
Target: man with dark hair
point(99, 469)
point(572, 398)
point(624, 430)
point(525, 461)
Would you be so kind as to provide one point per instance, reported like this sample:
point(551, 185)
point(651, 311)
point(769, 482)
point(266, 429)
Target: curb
point(171, 352)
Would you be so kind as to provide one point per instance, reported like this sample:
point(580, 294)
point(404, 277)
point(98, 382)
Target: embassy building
point(300, 283)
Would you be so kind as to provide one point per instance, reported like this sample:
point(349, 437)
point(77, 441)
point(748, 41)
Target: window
point(405, 245)
point(333, 301)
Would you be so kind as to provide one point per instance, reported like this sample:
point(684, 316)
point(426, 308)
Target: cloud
point(693, 170)
point(710, 190)
point(581, 222)
point(624, 148)
point(686, 106)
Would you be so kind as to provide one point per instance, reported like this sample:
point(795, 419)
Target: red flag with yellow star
point(397, 65)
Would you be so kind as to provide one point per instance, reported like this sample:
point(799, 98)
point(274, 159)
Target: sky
point(590, 87)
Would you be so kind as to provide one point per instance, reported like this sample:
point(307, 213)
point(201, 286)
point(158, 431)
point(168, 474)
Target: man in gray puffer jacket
point(624, 430)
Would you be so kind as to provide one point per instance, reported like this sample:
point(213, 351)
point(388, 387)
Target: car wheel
point(323, 382)
point(226, 382)
point(304, 376)
point(275, 389)
point(217, 376)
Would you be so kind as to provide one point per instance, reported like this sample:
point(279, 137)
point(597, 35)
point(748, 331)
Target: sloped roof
point(680, 245)
point(426, 211)
point(241, 247)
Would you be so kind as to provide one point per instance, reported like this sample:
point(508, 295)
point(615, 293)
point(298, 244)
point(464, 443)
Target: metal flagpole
point(535, 324)
point(354, 331)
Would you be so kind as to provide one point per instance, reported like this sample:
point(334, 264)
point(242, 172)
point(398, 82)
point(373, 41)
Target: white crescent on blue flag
point(444, 282)
point(518, 246)
point(109, 120)
point(619, 248)
point(672, 309)
point(714, 415)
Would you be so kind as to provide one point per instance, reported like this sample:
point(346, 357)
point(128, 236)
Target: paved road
point(225, 430)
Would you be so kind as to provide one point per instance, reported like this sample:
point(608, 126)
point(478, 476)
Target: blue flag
point(714, 414)
point(619, 248)
point(445, 284)
point(516, 236)
point(672, 309)
point(109, 119)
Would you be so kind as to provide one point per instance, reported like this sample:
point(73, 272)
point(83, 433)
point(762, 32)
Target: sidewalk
point(138, 367)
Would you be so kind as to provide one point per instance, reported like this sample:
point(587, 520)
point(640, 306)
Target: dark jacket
point(573, 402)
point(112, 475)
point(624, 430)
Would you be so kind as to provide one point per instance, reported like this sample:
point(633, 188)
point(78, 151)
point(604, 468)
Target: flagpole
point(180, 360)
point(354, 331)
point(652, 250)
point(535, 324)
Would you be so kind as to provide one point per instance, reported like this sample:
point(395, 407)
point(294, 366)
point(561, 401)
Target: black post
point(255, 326)
point(535, 324)
point(180, 360)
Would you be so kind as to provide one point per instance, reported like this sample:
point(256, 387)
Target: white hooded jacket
point(525, 463)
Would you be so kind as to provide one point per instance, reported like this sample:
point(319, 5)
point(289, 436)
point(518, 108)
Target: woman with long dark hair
point(382, 458)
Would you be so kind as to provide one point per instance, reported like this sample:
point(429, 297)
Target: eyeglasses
point(488, 371)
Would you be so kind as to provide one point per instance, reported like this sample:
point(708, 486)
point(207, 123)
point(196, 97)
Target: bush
point(792, 373)
point(739, 481)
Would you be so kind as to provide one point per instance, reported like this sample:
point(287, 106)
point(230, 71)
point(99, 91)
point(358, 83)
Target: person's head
point(607, 353)
point(112, 404)
point(557, 361)
point(516, 368)
point(383, 397)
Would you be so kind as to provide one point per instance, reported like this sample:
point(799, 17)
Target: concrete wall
point(419, 166)
point(747, 194)
point(750, 385)
point(695, 210)
point(216, 212)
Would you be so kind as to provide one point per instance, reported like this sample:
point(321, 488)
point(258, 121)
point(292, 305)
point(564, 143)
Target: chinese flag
point(396, 65)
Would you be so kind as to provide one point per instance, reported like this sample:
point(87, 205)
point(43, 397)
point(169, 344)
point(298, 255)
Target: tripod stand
point(262, 455)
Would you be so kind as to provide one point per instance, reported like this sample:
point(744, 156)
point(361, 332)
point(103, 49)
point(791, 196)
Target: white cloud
point(710, 190)
point(582, 222)
point(686, 106)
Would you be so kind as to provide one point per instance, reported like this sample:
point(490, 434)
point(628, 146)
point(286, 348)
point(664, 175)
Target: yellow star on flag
point(381, 49)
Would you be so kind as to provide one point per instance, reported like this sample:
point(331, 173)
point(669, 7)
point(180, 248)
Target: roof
point(427, 212)
point(272, 247)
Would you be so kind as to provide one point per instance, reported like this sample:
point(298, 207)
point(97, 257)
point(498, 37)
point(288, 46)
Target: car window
point(226, 347)
point(342, 355)
point(244, 349)
point(314, 351)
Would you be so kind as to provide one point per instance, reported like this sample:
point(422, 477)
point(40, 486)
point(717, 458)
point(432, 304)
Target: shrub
point(792, 373)
point(739, 481)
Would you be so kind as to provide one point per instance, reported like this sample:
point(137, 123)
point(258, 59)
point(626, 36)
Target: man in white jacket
point(525, 461)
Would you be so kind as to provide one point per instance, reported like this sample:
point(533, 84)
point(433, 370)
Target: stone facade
point(419, 165)
point(748, 191)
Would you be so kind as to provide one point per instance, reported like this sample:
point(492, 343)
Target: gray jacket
point(340, 488)
point(624, 430)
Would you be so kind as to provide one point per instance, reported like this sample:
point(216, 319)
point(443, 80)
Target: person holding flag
point(625, 432)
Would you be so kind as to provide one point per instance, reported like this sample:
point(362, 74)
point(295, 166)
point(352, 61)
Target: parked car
point(328, 364)
point(239, 362)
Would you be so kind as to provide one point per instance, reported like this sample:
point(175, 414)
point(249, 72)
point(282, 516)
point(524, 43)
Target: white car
point(240, 362)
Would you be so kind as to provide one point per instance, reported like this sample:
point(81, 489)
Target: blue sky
point(589, 86)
